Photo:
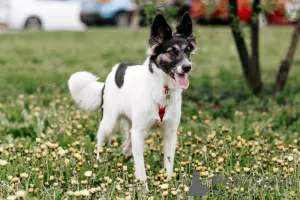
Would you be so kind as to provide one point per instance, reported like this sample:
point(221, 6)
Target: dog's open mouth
point(181, 80)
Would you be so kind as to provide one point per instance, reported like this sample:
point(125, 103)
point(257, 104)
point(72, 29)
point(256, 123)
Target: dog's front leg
point(137, 140)
point(169, 139)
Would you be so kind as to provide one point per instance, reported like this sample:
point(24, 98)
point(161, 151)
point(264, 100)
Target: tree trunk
point(285, 65)
point(250, 67)
point(254, 68)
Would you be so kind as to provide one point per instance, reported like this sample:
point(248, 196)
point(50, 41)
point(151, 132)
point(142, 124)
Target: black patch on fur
point(160, 31)
point(169, 43)
point(120, 73)
point(185, 30)
point(150, 67)
point(102, 100)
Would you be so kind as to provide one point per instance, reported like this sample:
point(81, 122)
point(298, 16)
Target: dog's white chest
point(162, 96)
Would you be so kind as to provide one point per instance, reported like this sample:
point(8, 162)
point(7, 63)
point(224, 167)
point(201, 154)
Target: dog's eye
point(188, 51)
point(174, 51)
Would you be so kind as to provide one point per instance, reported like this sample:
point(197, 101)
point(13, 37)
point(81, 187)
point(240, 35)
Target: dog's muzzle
point(186, 68)
point(180, 74)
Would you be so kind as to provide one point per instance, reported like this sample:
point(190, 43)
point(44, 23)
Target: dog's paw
point(147, 191)
point(98, 157)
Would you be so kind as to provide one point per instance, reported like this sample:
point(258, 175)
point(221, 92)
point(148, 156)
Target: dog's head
point(171, 52)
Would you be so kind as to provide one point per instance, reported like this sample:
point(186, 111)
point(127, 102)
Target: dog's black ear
point(184, 29)
point(160, 31)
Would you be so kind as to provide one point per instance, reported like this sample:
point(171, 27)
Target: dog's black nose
point(186, 68)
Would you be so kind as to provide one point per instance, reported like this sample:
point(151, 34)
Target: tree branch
point(238, 36)
point(285, 65)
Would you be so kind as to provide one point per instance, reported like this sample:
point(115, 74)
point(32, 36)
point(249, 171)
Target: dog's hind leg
point(127, 150)
point(107, 126)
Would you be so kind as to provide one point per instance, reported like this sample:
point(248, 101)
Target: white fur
point(85, 90)
point(136, 104)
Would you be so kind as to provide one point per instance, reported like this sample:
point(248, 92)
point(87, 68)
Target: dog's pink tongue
point(182, 81)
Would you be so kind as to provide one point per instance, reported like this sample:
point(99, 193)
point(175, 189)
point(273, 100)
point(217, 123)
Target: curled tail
point(86, 90)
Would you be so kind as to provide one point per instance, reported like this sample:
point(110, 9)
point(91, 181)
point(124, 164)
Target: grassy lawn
point(47, 143)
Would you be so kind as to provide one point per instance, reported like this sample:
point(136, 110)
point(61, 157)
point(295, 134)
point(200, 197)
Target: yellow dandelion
point(67, 161)
point(77, 194)
point(70, 193)
point(51, 178)
point(3, 162)
point(246, 169)
point(119, 165)
point(21, 194)
point(24, 175)
point(38, 140)
point(37, 109)
point(11, 197)
point(118, 187)
point(220, 160)
point(88, 173)
point(15, 179)
point(85, 193)
point(204, 174)
point(174, 193)
point(74, 182)
point(290, 158)
point(275, 170)
point(207, 122)
point(293, 194)
point(291, 170)
point(85, 117)
point(164, 186)
point(92, 190)
point(78, 156)
point(149, 142)
point(165, 193)
point(128, 198)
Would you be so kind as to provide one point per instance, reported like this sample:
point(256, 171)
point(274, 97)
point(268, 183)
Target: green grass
point(221, 119)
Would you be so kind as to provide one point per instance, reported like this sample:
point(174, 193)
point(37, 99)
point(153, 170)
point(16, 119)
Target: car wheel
point(33, 23)
point(122, 19)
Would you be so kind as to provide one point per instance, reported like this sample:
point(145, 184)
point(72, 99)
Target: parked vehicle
point(201, 10)
point(119, 12)
point(293, 10)
point(41, 14)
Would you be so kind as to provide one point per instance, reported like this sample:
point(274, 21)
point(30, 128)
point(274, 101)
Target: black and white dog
point(141, 96)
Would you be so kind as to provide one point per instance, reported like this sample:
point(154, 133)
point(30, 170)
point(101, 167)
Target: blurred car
point(273, 13)
point(293, 10)
point(41, 14)
point(119, 12)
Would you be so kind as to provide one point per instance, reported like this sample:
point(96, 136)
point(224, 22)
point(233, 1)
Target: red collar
point(162, 110)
